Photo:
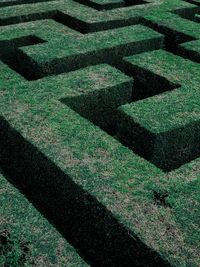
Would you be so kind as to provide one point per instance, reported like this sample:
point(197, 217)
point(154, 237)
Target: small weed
point(160, 199)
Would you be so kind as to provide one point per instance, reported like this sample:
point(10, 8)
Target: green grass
point(26, 237)
point(169, 122)
point(99, 128)
point(70, 54)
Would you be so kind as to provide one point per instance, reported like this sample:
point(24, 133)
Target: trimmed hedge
point(95, 112)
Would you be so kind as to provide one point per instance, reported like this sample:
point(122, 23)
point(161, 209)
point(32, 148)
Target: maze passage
point(165, 128)
point(99, 124)
point(29, 34)
point(110, 4)
point(87, 20)
point(109, 46)
point(192, 15)
point(178, 40)
point(15, 244)
point(168, 138)
point(62, 117)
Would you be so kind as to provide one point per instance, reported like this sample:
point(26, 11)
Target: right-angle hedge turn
point(99, 127)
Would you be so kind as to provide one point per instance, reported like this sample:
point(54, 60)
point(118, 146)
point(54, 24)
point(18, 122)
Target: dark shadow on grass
point(174, 39)
point(99, 238)
point(111, 5)
point(16, 59)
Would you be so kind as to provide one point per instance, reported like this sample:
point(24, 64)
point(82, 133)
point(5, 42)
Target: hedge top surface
point(96, 41)
point(116, 170)
point(66, 71)
point(31, 240)
point(172, 109)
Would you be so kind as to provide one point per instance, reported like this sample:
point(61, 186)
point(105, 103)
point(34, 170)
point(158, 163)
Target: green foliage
point(99, 128)
point(26, 237)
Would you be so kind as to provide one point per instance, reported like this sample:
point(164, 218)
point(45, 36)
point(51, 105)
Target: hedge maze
point(100, 125)
point(26, 238)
